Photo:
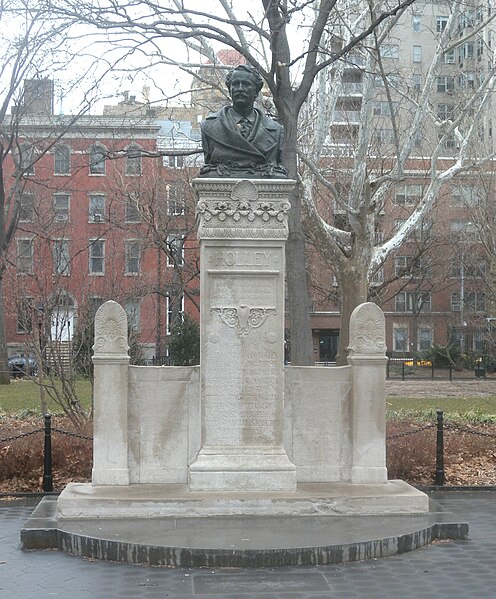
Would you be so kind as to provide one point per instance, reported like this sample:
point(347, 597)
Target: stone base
point(84, 501)
point(240, 470)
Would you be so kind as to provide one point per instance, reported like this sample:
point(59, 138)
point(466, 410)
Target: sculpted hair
point(247, 68)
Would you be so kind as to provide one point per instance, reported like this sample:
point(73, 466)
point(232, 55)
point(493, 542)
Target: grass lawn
point(24, 394)
point(472, 406)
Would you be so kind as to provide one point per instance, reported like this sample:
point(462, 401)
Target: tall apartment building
point(439, 287)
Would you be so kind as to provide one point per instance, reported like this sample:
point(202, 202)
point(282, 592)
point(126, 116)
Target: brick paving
point(456, 569)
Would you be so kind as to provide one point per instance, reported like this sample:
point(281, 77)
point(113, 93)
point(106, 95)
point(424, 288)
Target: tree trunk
point(353, 282)
point(4, 357)
point(298, 297)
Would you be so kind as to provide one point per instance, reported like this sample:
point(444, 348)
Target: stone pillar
point(368, 360)
point(242, 228)
point(110, 428)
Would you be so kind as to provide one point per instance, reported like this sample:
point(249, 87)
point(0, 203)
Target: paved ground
point(458, 569)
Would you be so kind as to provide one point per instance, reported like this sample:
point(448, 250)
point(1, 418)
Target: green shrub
point(184, 345)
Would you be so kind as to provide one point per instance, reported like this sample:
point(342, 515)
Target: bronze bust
point(239, 140)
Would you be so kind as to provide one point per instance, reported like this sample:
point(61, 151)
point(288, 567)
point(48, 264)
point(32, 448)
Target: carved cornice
point(229, 209)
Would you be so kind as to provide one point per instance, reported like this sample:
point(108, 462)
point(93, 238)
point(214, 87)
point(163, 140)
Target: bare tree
point(291, 43)
point(415, 152)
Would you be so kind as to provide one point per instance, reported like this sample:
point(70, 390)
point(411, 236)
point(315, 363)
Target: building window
point(467, 80)
point(445, 111)
point(466, 52)
point(97, 160)
point(132, 306)
point(175, 311)
point(441, 22)
point(174, 161)
point(133, 256)
point(417, 82)
point(412, 301)
point(445, 83)
point(417, 54)
point(61, 257)
point(475, 301)
point(407, 266)
point(384, 136)
point(96, 208)
point(465, 196)
point(448, 57)
point(94, 303)
point(456, 301)
point(97, 257)
point(133, 160)
point(26, 208)
point(175, 250)
point(132, 212)
point(425, 339)
point(175, 199)
point(25, 315)
point(61, 202)
point(389, 51)
point(384, 108)
point(26, 159)
point(62, 160)
point(416, 23)
point(25, 256)
point(400, 340)
point(462, 230)
point(408, 195)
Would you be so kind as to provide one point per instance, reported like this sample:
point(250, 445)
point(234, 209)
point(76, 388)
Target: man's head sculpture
point(240, 141)
point(245, 68)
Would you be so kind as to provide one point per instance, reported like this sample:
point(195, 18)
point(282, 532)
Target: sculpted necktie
point(244, 127)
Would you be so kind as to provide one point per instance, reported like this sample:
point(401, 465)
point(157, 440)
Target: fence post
point(450, 372)
point(387, 367)
point(47, 461)
point(439, 478)
point(432, 367)
point(403, 371)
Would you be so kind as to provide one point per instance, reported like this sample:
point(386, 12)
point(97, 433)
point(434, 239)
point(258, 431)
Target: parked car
point(22, 365)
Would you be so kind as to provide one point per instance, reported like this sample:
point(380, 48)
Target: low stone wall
point(164, 422)
point(148, 421)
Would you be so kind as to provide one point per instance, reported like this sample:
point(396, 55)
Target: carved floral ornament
point(367, 330)
point(243, 210)
point(111, 329)
point(243, 318)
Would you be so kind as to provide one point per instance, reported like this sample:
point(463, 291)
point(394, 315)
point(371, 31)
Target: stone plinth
point(242, 228)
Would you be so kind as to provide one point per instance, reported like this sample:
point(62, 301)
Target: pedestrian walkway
point(453, 569)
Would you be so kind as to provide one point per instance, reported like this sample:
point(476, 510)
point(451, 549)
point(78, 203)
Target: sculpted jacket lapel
point(226, 136)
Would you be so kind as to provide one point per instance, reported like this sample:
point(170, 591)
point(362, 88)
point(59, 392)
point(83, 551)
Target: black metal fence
point(48, 429)
point(413, 369)
point(439, 475)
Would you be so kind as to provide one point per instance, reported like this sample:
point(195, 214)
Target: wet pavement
point(452, 569)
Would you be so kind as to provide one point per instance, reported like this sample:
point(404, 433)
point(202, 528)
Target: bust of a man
point(240, 140)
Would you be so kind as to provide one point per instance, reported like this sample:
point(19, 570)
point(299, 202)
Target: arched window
point(62, 160)
point(133, 160)
point(97, 160)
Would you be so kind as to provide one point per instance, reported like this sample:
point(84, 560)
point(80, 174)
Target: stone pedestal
point(242, 228)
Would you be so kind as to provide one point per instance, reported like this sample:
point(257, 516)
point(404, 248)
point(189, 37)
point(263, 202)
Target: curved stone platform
point(238, 541)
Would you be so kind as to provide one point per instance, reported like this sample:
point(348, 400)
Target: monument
point(241, 435)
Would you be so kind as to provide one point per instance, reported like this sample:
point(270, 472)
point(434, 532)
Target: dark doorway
point(328, 345)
